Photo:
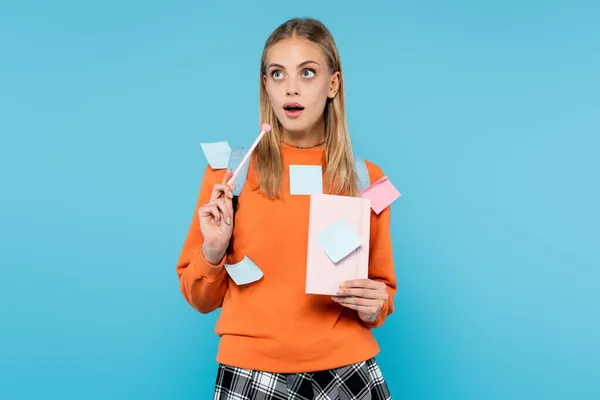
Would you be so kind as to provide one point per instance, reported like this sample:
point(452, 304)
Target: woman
point(276, 342)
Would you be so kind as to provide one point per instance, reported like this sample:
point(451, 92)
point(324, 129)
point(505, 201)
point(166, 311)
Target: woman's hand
point(366, 296)
point(216, 221)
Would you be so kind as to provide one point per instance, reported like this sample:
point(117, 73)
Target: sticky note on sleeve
point(244, 272)
point(338, 240)
point(217, 154)
point(381, 193)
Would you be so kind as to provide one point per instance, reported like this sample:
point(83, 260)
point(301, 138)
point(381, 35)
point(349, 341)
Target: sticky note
point(338, 240)
point(244, 272)
point(217, 154)
point(306, 179)
point(381, 193)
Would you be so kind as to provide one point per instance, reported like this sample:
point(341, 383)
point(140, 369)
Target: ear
point(334, 84)
point(264, 78)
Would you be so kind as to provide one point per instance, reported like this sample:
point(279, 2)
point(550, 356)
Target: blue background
point(485, 115)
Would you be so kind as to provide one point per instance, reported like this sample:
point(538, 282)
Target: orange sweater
point(271, 324)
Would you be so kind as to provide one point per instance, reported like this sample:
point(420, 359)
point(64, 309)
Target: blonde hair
point(340, 174)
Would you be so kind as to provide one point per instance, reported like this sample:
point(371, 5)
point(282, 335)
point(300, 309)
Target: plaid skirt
point(360, 381)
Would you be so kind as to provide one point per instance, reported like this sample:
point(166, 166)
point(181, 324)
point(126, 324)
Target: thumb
point(227, 176)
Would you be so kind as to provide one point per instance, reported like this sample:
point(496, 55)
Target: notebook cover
point(322, 275)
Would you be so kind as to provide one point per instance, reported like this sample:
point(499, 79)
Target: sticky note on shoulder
point(338, 240)
point(244, 272)
point(306, 179)
point(382, 193)
point(217, 154)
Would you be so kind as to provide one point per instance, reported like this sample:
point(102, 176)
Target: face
point(299, 82)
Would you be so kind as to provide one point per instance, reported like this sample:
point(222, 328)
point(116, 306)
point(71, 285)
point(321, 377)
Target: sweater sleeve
point(381, 259)
point(202, 284)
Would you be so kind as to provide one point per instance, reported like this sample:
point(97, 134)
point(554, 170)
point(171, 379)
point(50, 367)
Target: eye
point(308, 73)
point(277, 74)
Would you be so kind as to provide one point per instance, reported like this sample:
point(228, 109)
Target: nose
point(292, 88)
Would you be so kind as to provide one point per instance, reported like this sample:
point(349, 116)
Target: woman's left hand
point(366, 296)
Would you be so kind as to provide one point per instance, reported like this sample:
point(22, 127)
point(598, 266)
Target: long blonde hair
point(340, 174)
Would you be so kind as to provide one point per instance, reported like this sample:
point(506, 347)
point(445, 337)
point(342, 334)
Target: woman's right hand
point(216, 221)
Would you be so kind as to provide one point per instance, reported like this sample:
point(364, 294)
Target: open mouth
point(293, 109)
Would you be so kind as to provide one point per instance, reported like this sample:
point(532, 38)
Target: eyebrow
point(299, 65)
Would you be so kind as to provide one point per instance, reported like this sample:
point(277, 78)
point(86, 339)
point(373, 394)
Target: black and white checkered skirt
point(361, 381)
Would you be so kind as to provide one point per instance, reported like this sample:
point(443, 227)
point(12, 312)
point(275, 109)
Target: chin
point(294, 126)
point(299, 124)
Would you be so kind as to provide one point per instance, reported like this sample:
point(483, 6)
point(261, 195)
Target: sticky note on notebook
point(382, 193)
point(244, 272)
point(338, 240)
point(217, 154)
point(306, 179)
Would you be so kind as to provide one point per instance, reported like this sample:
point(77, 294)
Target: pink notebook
point(323, 276)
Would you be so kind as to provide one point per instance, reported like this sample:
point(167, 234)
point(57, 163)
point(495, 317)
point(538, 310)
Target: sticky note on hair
point(244, 272)
point(338, 240)
point(217, 154)
point(306, 179)
point(382, 193)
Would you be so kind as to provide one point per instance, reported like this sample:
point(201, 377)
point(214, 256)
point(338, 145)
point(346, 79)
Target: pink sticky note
point(381, 193)
point(323, 275)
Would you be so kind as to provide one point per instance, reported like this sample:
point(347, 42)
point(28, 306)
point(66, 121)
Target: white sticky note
point(306, 179)
point(217, 154)
point(244, 272)
point(338, 240)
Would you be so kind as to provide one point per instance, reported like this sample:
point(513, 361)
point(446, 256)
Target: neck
point(305, 138)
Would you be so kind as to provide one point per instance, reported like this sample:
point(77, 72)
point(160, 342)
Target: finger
point(214, 211)
point(220, 190)
point(357, 301)
point(224, 209)
point(376, 294)
point(364, 283)
point(228, 175)
point(211, 210)
point(229, 204)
